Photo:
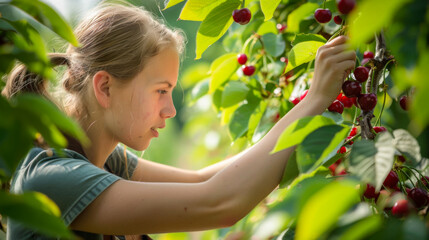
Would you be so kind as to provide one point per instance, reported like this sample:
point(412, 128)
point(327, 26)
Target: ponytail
point(21, 80)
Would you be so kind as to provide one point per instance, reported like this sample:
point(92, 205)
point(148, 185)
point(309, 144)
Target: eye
point(162, 92)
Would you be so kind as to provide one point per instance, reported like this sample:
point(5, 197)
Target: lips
point(154, 132)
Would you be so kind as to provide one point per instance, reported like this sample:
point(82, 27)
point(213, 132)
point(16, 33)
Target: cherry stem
point(324, 4)
point(243, 3)
point(378, 65)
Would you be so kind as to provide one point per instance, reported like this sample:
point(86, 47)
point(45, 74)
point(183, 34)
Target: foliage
point(27, 118)
point(337, 154)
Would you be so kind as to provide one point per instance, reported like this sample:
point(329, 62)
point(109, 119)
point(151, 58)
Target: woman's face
point(140, 107)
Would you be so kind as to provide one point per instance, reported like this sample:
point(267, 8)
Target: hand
point(332, 65)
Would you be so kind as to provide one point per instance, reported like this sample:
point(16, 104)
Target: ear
point(101, 83)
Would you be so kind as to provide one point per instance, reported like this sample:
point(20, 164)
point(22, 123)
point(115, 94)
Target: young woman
point(120, 82)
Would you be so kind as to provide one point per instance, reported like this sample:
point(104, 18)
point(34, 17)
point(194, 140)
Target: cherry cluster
point(398, 198)
point(324, 15)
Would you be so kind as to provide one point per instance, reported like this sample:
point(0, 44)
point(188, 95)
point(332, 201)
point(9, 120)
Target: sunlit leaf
point(215, 25)
point(268, 7)
point(299, 14)
point(298, 130)
point(223, 71)
point(48, 17)
point(324, 208)
point(373, 161)
point(363, 228)
point(267, 27)
point(305, 37)
point(170, 3)
point(256, 118)
point(36, 211)
point(198, 10)
point(291, 171)
point(302, 52)
point(370, 17)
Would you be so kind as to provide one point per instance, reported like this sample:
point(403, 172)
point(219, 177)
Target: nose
point(169, 111)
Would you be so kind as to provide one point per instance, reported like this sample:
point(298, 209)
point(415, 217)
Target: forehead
point(163, 67)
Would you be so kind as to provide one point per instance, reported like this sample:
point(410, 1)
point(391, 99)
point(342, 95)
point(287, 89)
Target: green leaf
point(36, 211)
point(215, 25)
point(267, 27)
point(274, 44)
point(268, 7)
point(199, 90)
point(319, 146)
point(255, 118)
point(407, 145)
point(171, 3)
point(296, 132)
point(301, 53)
point(370, 17)
point(234, 92)
point(373, 161)
point(324, 208)
point(47, 110)
point(291, 171)
point(239, 123)
point(48, 17)
point(298, 194)
point(198, 10)
point(363, 228)
point(337, 117)
point(296, 16)
point(223, 71)
point(305, 37)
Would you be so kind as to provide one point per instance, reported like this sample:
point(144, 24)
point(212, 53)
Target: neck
point(102, 143)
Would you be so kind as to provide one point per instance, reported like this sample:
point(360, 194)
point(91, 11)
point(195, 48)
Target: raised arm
point(129, 207)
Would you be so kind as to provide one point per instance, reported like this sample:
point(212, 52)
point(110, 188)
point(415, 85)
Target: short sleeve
point(71, 181)
point(122, 162)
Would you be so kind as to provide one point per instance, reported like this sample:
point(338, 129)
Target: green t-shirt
point(70, 180)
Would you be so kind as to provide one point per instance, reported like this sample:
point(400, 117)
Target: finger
point(338, 40)
point(344, 56)
point(346, 66)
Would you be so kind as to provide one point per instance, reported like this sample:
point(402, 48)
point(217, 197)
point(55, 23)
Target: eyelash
point(162, 91)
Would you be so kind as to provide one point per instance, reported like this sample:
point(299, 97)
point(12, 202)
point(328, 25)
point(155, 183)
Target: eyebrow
point(165, 82)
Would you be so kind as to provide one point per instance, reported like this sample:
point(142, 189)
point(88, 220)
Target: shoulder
point(68, 178)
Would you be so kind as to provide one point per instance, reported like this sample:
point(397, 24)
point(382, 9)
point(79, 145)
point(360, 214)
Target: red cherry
point(303, 94)
point(401, 208)
point(353, 132)
point(401, 158)
point(343, 172)
point(347, 102)
point(336, 106)
point(332, 168)
point(370, 192)
point(281, 27)
point(391, 180)
point(378, 129)
point(338, 20)
point(419, 197)
point(295, 101)
point(242, 58)
point(351, 89)
point(242, 16)
point(248, 70)
point(345, 6)
point(403, 101)
point(322, 15)
point(342, 150)
point(367, 101)
point(361, 74)
point(368, 54)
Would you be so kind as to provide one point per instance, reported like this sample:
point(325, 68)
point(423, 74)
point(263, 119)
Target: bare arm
point(129, 207)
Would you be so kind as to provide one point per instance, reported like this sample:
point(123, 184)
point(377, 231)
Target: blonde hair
point(115, 38)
